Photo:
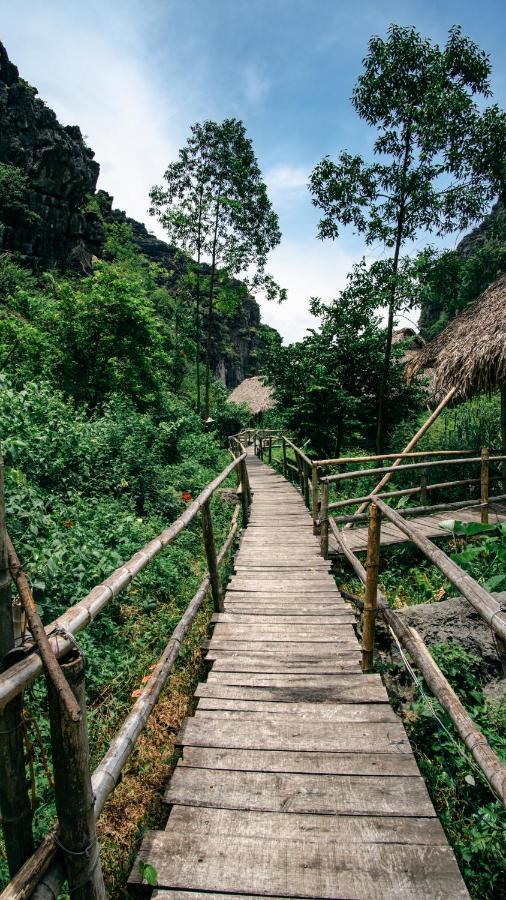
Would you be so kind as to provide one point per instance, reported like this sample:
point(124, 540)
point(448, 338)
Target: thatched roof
point(470, 354)
point(254, 393)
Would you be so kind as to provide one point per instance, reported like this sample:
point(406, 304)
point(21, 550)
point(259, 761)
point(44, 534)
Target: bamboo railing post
point(245, 492)
point(283, 444)
point(270, 448)
point(423, 487)
point(324, 521)
point(314, 496)
point(371, 589)
point(306, 482)
point(212, 563)
point(485, 480)
point(15, 806)
point(74, 798)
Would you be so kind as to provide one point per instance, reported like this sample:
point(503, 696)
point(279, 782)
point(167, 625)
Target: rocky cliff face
point(50, 221)
point(60, 172)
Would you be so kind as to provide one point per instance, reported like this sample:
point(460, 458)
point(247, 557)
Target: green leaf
point(469, 779)
point(148, 873)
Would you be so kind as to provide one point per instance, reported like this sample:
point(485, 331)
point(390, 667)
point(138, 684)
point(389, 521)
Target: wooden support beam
point(283, 444)
point(485, 481)
point(324, 522)
point(15, 806)
point(73, 791)
point(371, 590)
point(314, 496)
point(210, 547)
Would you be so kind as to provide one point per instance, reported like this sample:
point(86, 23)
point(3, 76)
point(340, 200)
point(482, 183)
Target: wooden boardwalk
point(356, 538)
point(296, 777)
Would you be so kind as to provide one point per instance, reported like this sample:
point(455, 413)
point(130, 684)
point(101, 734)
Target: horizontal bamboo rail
point(82, 614)
point(361, 473)
point(482, 601)
point(107, 774)
point(487, 760)
point(418, 510)
point(343, 460)
point(409, 492)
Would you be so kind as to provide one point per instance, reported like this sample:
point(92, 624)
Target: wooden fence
point(79, 794)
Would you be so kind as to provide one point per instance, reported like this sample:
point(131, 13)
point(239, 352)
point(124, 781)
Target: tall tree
point(439, 159)
point(215, 205)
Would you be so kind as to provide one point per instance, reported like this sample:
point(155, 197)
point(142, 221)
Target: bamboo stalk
point(345, 460)
point(73, 792)
point(81, 615)
point(409, 492)
point(483, 602)
point(39, 635)
point(107, 773)
point(371, 590)
point(15, 805)
point(475, 741)
point(314, 496)
point(485, 479)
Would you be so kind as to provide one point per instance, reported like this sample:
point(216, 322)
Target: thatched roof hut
point(470, 354)
point(253, 393)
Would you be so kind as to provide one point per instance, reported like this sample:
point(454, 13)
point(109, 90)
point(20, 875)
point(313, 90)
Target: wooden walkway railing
point(70, 849)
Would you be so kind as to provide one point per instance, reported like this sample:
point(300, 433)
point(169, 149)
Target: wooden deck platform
point(296, 778)
point(356, 538)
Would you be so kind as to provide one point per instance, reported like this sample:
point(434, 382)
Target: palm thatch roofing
point(470, 354)
point(253, 393)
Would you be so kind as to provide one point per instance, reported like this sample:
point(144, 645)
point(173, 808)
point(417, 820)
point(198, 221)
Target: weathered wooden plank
point(297, 646)
point(359, 694)
point(339, 682)
point(225, 661)
point(330, 712)
point(299, 868)
point(281, 733)
point(280, 792)
point(283, 632)
point(320, 763)
point(262, 619)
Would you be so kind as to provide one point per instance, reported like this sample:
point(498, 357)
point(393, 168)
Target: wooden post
point(371, 589)
point(15, 806)
point(245, 492)
point(255, 444)
point(306, 482)
point(270, 448)
point(324, 521)
point(423, 487)
point(485, 454)
point(283, 443)
point(503, 433)
point(72, 787)
point(314, 496)
point(212, 563)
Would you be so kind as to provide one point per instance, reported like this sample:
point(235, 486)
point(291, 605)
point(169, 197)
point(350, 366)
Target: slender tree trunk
point(210, 314)
point(197, 302)
point(383, 387)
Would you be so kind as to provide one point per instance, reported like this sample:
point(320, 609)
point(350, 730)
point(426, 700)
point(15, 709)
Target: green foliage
point(14, 206)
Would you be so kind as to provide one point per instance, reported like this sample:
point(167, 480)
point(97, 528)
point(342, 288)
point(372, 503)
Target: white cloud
point(307, 268)
point(286, 178)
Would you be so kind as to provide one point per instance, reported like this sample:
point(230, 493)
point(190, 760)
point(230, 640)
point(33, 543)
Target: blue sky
point(135, 75)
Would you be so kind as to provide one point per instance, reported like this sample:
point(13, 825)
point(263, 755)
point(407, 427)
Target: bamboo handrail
point(299, 452)
point(106, 775)
point(343, 460)
point(82, 614)
point(485, 757)
point(417, 510)
point(483, 601)
point(407, 492)
point(360, 473)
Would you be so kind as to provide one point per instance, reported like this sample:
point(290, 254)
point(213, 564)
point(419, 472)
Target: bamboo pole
point(416, 454)
point(270, 449)
point(409, 492)
point(15, 805)
point(73, 792)
point(414, 440)
point(417, 510)
point(245, 493)
point(283, 444)
point(485, 478)
point(324, 522)
point(81, 615)
point(475, 741)
point(423, 487)
point(314, 496)
point(410, 467)
point(212, 562)
point(39, 635)
point(371, 590)
point(483, 602)
point(306, 468)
